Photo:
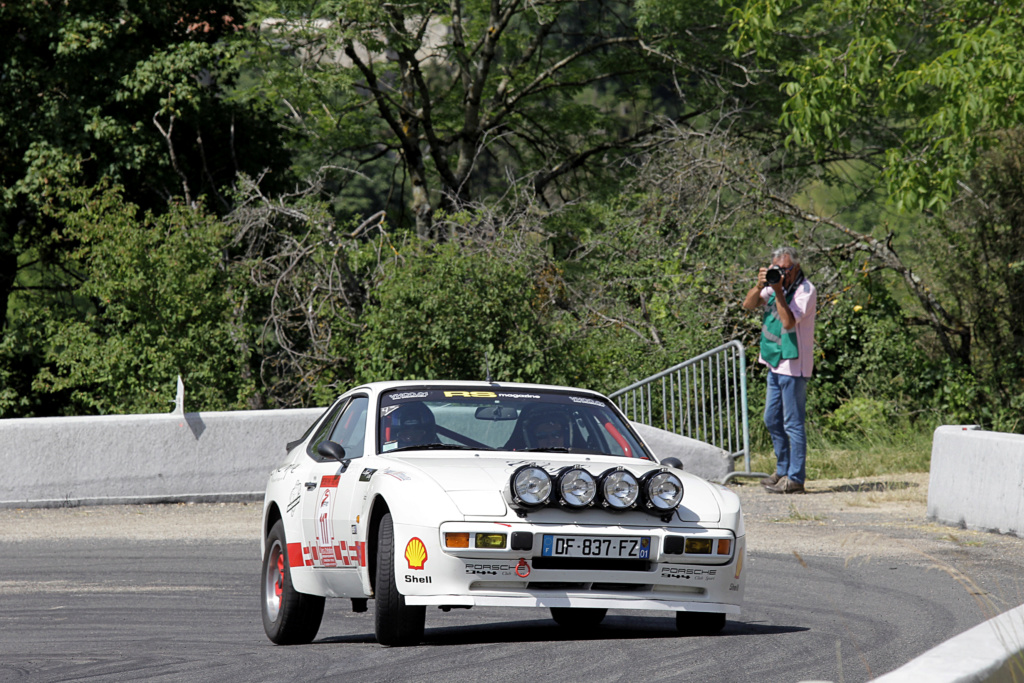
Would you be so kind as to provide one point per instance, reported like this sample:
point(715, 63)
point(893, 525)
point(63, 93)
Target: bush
point(440, 312)
point(152, 299)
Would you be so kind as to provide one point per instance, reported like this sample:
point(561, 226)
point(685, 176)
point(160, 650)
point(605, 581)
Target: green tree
point(126, 90)
point(153, 300)
point(120, 89)
point(310, 275)
point(445, 313)
point(462, 96)
point(919, 88)
point(976, 255)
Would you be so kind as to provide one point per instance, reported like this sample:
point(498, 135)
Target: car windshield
point(497, 419)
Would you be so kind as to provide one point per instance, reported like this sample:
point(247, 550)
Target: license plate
point(619, 547)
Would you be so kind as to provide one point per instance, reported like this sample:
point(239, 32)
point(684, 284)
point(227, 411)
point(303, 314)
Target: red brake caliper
point(279, 584)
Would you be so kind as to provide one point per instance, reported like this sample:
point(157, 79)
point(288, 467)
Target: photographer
point(789, 301)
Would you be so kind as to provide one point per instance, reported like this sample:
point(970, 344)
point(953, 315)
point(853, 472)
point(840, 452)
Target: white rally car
point(459, 494)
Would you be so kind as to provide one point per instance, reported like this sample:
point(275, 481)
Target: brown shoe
point(770, 481)
point(786, 485)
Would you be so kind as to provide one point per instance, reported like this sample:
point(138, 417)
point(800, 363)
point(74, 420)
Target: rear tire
point(579, 618)
point(289, 617)
point(396, 624)
point(699, 623)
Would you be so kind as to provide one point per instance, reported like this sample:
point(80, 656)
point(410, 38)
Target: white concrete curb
point(992, 652)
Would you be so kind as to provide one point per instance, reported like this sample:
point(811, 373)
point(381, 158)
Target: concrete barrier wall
point(213, 456)
point(704, 460)
point(977, 479)
point(218, 456)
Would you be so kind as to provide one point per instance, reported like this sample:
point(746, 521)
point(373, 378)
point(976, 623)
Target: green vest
point(778, 344)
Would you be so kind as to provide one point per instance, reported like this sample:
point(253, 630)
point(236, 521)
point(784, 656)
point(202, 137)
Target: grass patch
point(891, 492)
point(882, 451)
point(798, 515)
point(801, 516)
point(956, 540)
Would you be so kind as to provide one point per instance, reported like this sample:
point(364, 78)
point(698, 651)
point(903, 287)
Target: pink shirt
point(804, 305)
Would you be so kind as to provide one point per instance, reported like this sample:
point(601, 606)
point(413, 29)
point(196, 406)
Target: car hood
point(476, 483)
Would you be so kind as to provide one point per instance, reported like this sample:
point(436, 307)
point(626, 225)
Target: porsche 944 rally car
point(459, 494)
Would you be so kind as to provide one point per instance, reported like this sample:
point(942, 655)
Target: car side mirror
point(331, 450)
point(672, 462)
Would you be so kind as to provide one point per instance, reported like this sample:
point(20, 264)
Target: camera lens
point(773, 275)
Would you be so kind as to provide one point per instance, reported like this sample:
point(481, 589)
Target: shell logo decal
point(416, 553)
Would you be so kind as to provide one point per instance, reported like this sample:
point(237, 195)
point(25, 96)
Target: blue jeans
point(785, 409)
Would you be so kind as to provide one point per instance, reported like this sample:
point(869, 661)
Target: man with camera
point(789, 301)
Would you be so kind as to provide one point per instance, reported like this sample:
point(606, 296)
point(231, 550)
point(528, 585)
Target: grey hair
point(786, 251)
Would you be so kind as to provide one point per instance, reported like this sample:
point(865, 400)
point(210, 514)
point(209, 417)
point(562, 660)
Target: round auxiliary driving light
point(663, 491)
point(530, 487)
point(619, 489)
point(576, 487)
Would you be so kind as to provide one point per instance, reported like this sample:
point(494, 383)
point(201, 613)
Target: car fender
point(418, 505)
point(731, 509)
point(281, 502)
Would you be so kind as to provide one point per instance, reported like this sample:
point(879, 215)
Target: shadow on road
point(545, 630)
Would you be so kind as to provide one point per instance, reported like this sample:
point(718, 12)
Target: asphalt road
point(844, 584)
point(113, 610)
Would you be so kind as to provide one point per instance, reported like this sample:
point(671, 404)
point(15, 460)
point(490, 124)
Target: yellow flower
point(858, 309)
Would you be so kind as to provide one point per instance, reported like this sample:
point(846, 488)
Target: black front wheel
point(396, 623)
point(289, 617)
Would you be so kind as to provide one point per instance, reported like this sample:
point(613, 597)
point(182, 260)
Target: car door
point(327, 506)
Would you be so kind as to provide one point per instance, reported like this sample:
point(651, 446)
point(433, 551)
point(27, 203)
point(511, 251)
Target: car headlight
point(576, 487)
point(663, 491)
point(619, 489)
point(530, 487)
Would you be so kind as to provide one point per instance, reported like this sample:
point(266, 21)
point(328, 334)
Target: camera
point(774, 275)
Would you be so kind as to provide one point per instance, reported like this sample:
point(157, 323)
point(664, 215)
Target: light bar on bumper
point(529, 487)
point(663, 491)
point(576, 487)
point(658, 492)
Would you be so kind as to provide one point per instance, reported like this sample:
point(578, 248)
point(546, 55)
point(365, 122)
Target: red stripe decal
point(295, 555)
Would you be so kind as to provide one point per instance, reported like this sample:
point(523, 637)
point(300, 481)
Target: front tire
point(579, 618)
point(396, 624)
point(699, 623)
point(289, 617)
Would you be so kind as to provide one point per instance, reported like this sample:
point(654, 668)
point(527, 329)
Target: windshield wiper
point(553, 449)
point(434, 447)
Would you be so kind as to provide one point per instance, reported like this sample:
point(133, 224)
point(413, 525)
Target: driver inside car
point(548, 431)
point(412, 424)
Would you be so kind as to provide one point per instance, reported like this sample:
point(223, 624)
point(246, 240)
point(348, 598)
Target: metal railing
point(703, 398)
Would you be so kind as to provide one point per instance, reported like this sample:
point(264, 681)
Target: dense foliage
point(279, 199)
point(93, 91)
point(156, 302)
